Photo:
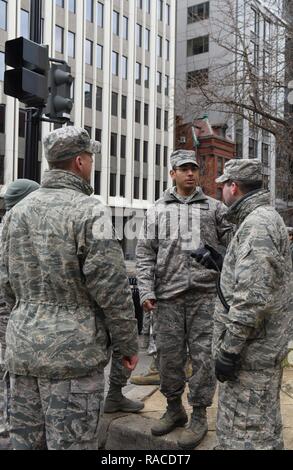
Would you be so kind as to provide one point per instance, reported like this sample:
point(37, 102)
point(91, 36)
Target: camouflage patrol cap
point(181, 157)
point(67, 142)
point(249, 170)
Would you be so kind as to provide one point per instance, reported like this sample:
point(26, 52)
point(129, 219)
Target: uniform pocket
point(83, 410)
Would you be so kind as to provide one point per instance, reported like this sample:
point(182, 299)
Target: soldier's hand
point(149, 304)
point(129, 362)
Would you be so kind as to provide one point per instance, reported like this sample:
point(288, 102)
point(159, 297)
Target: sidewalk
point(122, 431)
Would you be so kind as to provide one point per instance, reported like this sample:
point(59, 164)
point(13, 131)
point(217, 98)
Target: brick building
point(212, 147)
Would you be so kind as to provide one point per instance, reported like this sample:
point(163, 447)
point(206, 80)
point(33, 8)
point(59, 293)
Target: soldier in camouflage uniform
point(182, 291)
point(64, 277)
point(16, 191)
point(250, 340)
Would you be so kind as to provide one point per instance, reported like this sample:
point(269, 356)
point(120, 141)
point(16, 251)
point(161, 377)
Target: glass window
point(123, 106)
point(145, 151)
point(100, 14)
point(137, 150)
point(159, 46)
point(198, 12)
point(158, 154)
point(3, 14)
point(125, 27)
point(21, 123)
point(98, 135)
point(114, 108)
point(157, 189)
point(88, 52)
point(71, 6)
point(144, 188)
point(99, 56)
point(136, 187)
point(112, 184)
point(166, 118)
point(122, 185)
point(89, 10)
point(159, 82)
point(71, 44)
point(97, 185)
point(160, 10)
point(197, 78)
point(146, 114)
point(59, 44)
point(146, 76)
point(139, 4)
point(60, 3)
point(198, 45)
point(138, 35)
point(123, 146)
point(99, 98)
point(115, 22)
point(115, 64)
point(138, 73)
point(159, 117)
point(165, 156)
point(2, 66)
point(25, 25)
point(166, 85)
point(147, 39)
point(88, 95)
point(137, 111)
point(124, 67)
point(113, 149)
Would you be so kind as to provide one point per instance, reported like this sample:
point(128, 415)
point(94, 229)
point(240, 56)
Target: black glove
point(227, 366)
point(208, 257)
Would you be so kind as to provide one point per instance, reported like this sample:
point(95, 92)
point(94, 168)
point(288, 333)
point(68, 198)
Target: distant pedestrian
point(64, 278)
point(251, 338)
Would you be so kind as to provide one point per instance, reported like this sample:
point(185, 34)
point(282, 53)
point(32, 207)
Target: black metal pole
point(30, 167)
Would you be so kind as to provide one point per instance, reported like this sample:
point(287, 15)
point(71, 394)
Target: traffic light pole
point(33, 115)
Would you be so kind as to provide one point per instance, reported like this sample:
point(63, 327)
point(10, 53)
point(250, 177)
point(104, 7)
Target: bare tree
point(248, 72)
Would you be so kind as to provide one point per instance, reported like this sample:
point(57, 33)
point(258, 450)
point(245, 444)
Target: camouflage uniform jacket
point(4, 315)
point(255, 281)
point(164, 265)
point(58, 270)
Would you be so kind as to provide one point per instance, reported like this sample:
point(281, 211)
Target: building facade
point(122, 58)
point(221, 44)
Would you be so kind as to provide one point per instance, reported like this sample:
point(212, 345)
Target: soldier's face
point(230, 193)
point(86, 166)
point(185, 177)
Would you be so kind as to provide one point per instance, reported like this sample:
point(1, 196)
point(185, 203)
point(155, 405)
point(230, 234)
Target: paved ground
point(121, 431)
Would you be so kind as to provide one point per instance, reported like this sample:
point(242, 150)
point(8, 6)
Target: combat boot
point(196, 429)
point(115, 401)
point(174, 417)
point(151, 377)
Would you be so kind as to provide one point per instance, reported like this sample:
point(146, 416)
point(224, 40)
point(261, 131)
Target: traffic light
point(59, 103)
point(28, 80)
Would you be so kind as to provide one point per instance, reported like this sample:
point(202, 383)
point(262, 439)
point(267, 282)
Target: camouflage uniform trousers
point(249, 416)
point(4, 388)
point(56, 414)
point(186, 321)
point(119, 375)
